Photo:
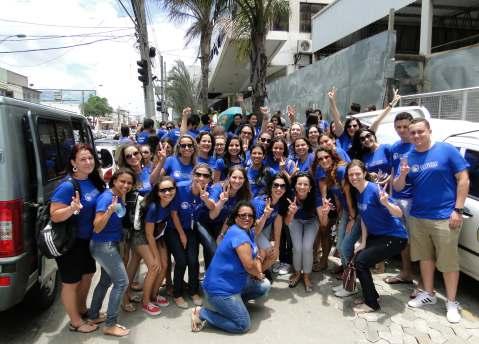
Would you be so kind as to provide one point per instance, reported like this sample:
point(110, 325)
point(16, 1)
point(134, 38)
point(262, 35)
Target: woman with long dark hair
point(258, 174)
point(303, 153)
point(303, 227)
point(277, 157)
point(77, 266)
point(206, 148)
point(130, 157)
point(234, 155)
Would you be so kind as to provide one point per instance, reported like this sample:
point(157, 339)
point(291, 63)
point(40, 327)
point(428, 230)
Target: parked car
point(35, 143)
point(106, 151)
point(464, 135)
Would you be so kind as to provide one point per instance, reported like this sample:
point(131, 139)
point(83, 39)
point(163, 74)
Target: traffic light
point(143, 71)
point(159, 106)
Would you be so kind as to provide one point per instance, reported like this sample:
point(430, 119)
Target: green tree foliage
point(181, 88)
point(96, 106)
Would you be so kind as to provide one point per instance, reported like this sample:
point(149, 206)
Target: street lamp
point(20, 35)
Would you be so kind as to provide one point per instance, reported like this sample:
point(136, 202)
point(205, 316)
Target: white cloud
point(111, 64)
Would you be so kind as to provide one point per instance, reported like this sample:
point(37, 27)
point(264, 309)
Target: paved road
point(287, 316)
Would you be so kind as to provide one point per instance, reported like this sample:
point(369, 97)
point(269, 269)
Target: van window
point(472, 158)
point(79, 132)
point(56, 143)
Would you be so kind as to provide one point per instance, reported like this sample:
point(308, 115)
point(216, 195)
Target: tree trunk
point(259, 64)
point(205, 44)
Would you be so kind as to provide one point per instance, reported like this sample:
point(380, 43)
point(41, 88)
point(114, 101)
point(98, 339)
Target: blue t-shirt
point(302, 214)
point(228, 207)
point(379, 160)
point(205, 128)
point(155, 213)
point(177, 170)
point(174, 134)
point(226, 275)
point(211, 162)
point(400, 150)
point(142, 137)
point(376, 216)
point(434, 185)
point(274, 165)
point(88, 196)
point(258, 185)
point(190, 207)
point(259, 203)
point(305, 165)
point(342, 154)
point(323, 125)
point(113, 230)
point(337, 189)
point(223, 166)
point(345, 141)
point(144, 181)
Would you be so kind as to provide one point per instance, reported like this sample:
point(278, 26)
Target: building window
point(280, 23)
point(306, 11)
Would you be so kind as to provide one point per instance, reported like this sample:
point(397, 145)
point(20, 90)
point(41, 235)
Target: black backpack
point(56, 238)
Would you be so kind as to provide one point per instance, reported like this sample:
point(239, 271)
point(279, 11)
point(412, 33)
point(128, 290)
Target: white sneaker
point(337, 288)
point(422, 298)
point(344, 293)
point(276, 266)
point(284, 269)
point(453, 315)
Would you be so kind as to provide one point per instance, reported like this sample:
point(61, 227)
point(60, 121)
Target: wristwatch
point(459, 210)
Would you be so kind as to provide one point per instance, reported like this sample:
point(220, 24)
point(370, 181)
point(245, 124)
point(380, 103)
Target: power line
point(129, 15)
point(71, 26)
point(43, 37)
point(63, 47)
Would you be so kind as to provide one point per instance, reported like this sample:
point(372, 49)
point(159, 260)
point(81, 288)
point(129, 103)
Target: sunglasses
point(131, 155)
point(186, 145)
point(245, 216)
point(263, 139)
point(205, 175)
point(363, 138)
point(353, 126)
point(279, 186)
point(165, 190)
point(322, 158)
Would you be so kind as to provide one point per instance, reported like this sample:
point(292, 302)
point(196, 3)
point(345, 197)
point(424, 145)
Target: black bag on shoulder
point(56, 238)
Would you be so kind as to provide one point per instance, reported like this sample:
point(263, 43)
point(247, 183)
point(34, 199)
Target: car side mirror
point(106, 158)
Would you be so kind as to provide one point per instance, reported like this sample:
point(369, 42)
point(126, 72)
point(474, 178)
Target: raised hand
point(383, 195)
point(267, 209)
point(204, 195)
point(404, 168)
point(293, 207)
point(245, 145)
point(265, 112)
point(291, 113)
point(282, 163)
point(114, 202)
point(327, 206)
point(396, 98)
point(76, 205)
point(224, 196)
point(296, 167)
point(186, 112)
point(332, 94)
point(161, 152)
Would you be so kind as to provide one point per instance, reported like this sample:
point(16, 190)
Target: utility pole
point(162, 90)
point(141, 29)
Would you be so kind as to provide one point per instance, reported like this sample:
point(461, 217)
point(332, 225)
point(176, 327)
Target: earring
point(75, 169)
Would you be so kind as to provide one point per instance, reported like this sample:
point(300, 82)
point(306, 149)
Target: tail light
point(107, 175)
point(11, 241)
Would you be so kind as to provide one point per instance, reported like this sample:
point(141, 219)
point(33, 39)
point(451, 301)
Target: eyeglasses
point(353, 126)
point(186, 145)
point(169, 128)
point(363, 138)
point(279, 186)
point(245, 216)
point(131, 155)
point(219, 145)
point(322, 158)
point(246, 133)
point(205, 175)
point(165, 190)
point(264, 139)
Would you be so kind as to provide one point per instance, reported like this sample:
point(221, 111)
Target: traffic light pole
point(139, 10)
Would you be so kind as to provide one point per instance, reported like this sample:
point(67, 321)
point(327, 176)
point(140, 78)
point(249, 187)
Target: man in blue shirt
point(439, 183)
point(148, 130)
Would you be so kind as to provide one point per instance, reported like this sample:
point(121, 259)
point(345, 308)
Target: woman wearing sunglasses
point(271, 209)
point(225, 195)
point(130, 157)
point(303, 227)
point(192, 197)
point(105, 248)
point(235, 274)
point(180, 165)
point(258, 173)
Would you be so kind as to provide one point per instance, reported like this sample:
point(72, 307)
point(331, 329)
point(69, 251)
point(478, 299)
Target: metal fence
point(460, 103)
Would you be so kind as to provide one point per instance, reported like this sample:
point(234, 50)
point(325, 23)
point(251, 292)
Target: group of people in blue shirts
point(255, 199)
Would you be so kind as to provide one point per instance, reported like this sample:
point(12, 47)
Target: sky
point(107, 66)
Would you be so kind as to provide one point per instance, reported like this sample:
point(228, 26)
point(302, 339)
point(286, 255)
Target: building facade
point(15, 85)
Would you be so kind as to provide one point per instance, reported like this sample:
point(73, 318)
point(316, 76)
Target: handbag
point(56, 238)
point(349, 276)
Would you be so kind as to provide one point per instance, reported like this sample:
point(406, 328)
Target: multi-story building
point(288, 48)
point(15, 85)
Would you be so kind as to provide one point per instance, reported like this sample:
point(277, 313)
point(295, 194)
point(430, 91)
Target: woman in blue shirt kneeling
point(383, 234)
point(235, 274)
point(105, 248)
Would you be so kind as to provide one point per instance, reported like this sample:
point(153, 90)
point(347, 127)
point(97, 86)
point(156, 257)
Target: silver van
point(35, 142)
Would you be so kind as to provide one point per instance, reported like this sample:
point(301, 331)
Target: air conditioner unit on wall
point(305, 46)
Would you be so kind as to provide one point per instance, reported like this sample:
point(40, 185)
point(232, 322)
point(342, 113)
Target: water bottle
point(120, 210)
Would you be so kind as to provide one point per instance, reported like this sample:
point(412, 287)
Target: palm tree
point(181, 89)
point(252, 19)
point(202, 14)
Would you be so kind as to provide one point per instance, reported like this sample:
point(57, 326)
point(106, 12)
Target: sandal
point(101, 318)
point(81, 328)
point(135, 298)
point(135, 286)
point(294, 279)
point(196, 323)
point(116, 330)
point(396, 280)
point(128, 307)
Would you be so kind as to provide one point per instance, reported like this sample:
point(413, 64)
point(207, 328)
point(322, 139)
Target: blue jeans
point(346, 241)
point(303, 233)
point(229, 313)
point(107, 254)
point(208, 241)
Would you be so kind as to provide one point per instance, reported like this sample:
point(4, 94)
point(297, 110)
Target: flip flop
point(122, 334)
point(396, 280)
point(79, 330)
point(196, 323)
point(294, 280)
